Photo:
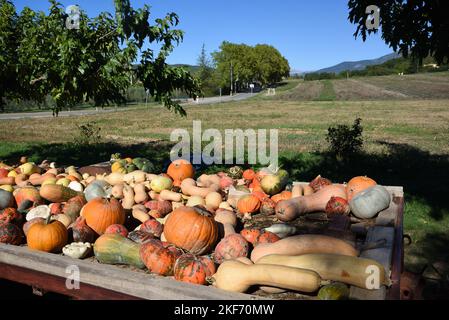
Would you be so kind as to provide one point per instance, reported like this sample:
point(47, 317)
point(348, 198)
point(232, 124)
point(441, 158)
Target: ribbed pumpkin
point(179, 170)
point(260, 195)
point(118, 229)
point(249, 174)
point(73, 207)
point(48, 236)
point(251, 234)
point(192, 229)
point(319, 182)
point(232, 246)
point(157, 258)
point(194, 269)
point(337, 205)
point(159, 208)
point(284, 195)
point(267, 237)
point(153, 227)
point(10, 233)
point(100, 213)
point(358, 184)
point(81, 232)
point(248, 204)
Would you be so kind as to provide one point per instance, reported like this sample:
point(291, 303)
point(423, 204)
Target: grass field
point(406, 131)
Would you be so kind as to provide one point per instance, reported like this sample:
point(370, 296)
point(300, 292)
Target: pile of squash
point(177, 226)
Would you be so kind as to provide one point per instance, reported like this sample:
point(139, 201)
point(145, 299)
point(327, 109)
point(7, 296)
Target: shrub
point(345, 141)
point(88, 134)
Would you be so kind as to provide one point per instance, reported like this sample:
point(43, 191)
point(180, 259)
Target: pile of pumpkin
point(188, 229)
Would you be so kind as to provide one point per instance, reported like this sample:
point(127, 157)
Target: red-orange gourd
point(249, 174)
point(284, 195)
point(157, 258)
point(179, 170)
point(358, 184)
point(192, 229)
point(194, 269)
point(100, 213)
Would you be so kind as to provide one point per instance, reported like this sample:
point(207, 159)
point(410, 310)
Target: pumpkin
point(193, 269)
point(11, 215)
point(337, 205)
point(179, 170)
point(284, 195)
point(248, 204)
point(162, 208)
point(27, 193)
point(267, 207)
point(48, 236)
point(267, 237)
point(6, 199)
point(260, 194)
point(369, 202)
point(100, 213)
point(176, 251)
point(153, 227)
point(334, 291)
point(319, 182)
point(118, 229)
point(231, 247)
point(358, 184)
point(250, 234)
point(81, 232)
point(271, 184)
point(140, 236)
point(192, 229)
point(95, 190)
point(157, 258)
point(249, 174)
point(10, 233)
point(115, 249)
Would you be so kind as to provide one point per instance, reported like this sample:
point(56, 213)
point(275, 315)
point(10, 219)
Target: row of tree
point(236, 66)
point(41, 56)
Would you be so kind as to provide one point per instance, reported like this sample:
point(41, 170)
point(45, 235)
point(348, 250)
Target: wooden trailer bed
point(48, 272)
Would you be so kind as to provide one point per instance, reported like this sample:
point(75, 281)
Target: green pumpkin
point(284, 176)
point(334, 291)
point(130, 168)
point(147, 167)
point(116, 249)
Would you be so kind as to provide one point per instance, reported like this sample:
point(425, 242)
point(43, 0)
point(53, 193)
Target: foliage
point(94, 62)
point(414, 27)
point(262, 63)
point(88, 134)
point(206, 74)
point(345, 141)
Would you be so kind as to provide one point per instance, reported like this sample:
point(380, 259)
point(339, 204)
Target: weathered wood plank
point(138, 284)
point(383, 255)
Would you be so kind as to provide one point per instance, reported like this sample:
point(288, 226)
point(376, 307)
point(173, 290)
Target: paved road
point(49, 114)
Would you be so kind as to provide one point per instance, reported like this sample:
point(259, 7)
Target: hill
point(358, 65)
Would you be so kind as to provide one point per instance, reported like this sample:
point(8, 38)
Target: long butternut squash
point(351, 270)
point(288, 210)
point(58, 193)
point(235, 276)
point(302, 244)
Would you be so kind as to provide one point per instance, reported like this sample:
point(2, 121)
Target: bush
point(345, 141)
point(88, 134)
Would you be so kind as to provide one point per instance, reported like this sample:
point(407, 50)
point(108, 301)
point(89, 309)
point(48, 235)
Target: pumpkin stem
point(201, 210)
point(210, 280)
point(47, 221)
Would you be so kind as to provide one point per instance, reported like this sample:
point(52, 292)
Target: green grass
point(327, 93)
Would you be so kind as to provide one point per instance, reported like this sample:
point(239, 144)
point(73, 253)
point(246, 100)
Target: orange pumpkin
point(267, 237)
point(192, 229)
point(284, 195)
point(358, 184)
point(157, 258)
point(194, 269)
point(260, 195)
point(248, 204)
point(179, 170)
point(249, 174)
point(48, 236)
point(251, 234)
point(100, 213)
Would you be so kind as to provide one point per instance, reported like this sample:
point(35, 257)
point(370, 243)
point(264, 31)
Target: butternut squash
point(114, 178)
point(189, 188)
point(139, 212)
point(195, 201)
point(236, 276)
point(288, 210)
point(135, 177)
point(302, 244)
point(213, 200)
point(351, 270)
point(207, 181)
point(297, 191)
point(170, 196)
point(128, 197)
point(307, 190)
point(117, 191)
point(140, 194)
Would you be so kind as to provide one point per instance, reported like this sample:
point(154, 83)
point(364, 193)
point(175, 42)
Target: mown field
point(406, 133)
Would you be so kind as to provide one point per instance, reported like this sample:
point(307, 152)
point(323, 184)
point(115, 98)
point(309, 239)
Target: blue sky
point(310, 34)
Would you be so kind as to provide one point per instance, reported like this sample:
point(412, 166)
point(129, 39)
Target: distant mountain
point(358, 65)
point(187, 66)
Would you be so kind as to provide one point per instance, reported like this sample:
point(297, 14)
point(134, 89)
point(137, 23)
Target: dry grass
point(302, 125)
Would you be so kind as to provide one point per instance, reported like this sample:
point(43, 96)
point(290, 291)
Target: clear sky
point(310, 34)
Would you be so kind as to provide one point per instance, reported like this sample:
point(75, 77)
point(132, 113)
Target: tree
point(413, 27)
point(271, 65)
point(95, 61)
point(205, 73)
